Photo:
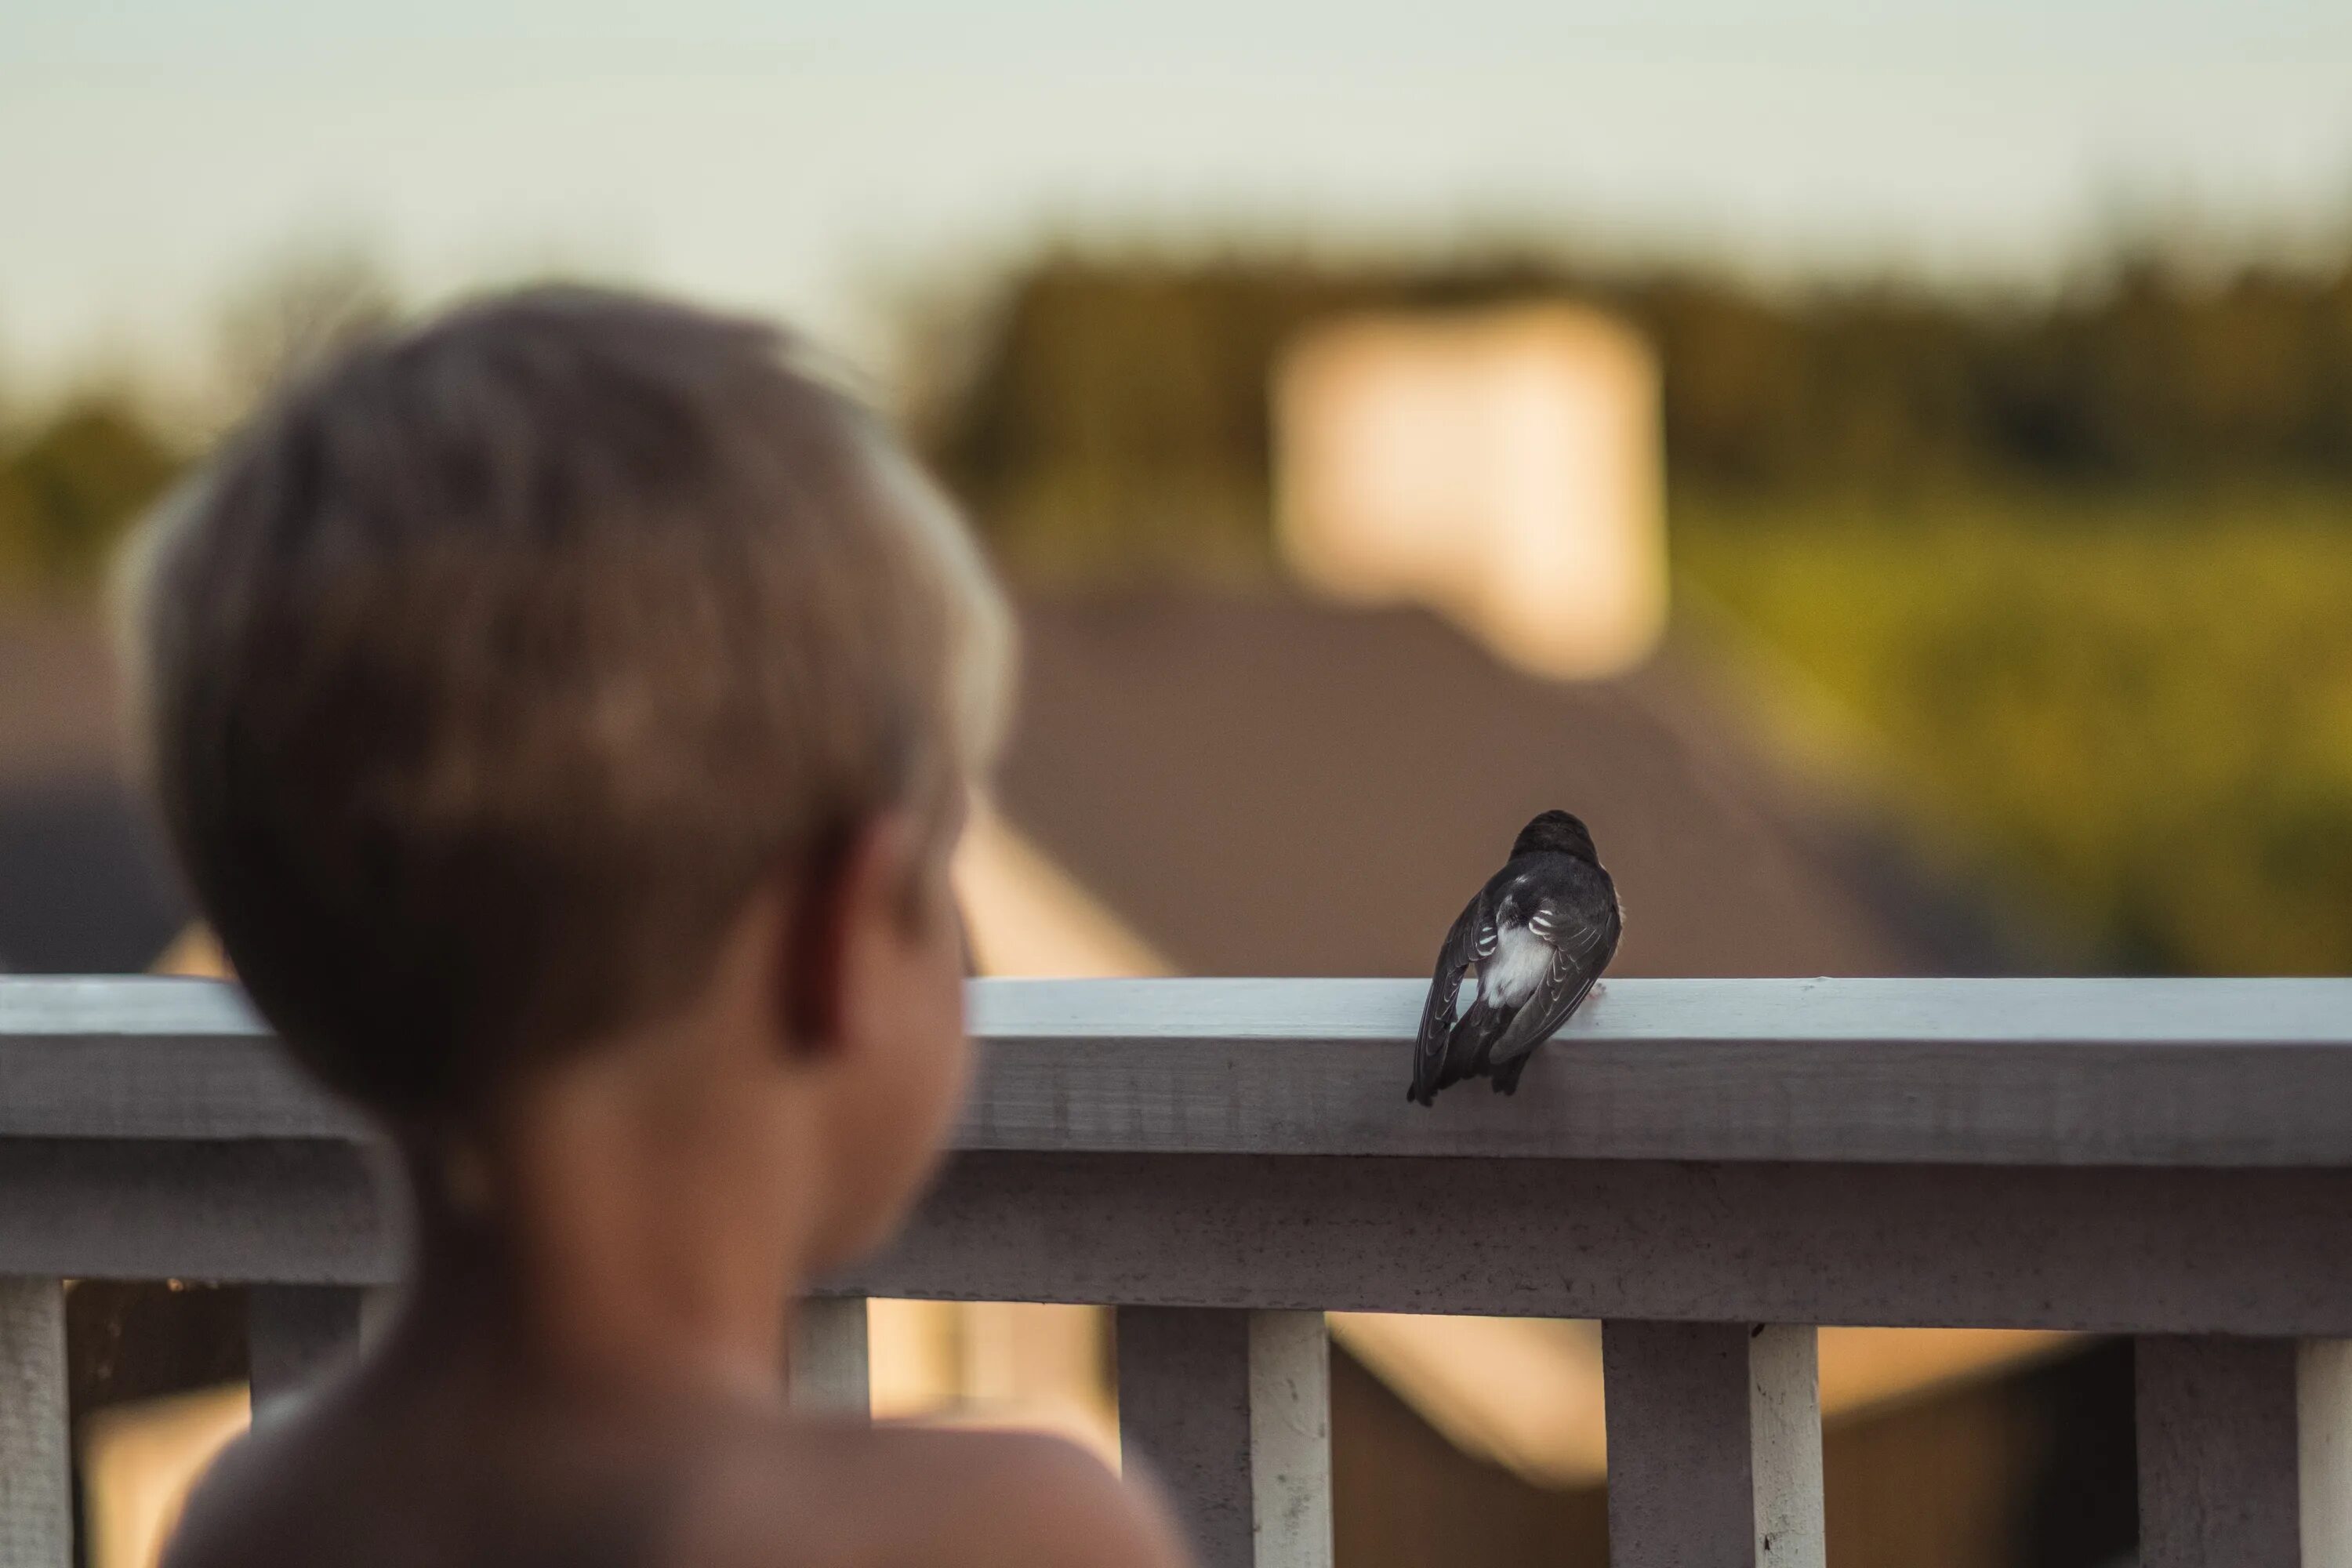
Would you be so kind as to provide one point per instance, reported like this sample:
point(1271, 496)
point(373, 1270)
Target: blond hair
point(486, 673)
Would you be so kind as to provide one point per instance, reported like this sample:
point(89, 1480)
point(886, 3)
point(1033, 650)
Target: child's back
point(431, 1476)
point(564, 713)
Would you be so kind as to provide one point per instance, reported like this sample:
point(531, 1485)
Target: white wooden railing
point(1710, 1167)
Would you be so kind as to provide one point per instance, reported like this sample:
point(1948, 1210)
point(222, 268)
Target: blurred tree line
point(1107, 417)
point(76, 473)
point(1111, 416)
point(70, 483)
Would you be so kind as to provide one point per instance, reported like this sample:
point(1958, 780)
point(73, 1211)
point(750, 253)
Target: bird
point(1527, 949)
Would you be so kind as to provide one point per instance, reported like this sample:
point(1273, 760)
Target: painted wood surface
point(2111, 1251)
point(2245, 1452)
point(2323, 1451)
point(1230, 1412)
point(1184, 1418)
point(264, 1213)
point(2220, 1482)
point(1714, 1446)
point(830, 1369)
point(35, 1477)
point(1681, 1492)
point(1290, 1439)
point(1784, 1425)
point(2041, 1072)
point(2247, 1252)
point(2167, 1158)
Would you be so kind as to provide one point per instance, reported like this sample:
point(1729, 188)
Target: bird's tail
point(1466, 1044)
point(1506, 1077)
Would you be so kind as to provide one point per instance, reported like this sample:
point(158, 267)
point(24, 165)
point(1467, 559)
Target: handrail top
point(2119, 1010)
point(2135, 1072)
point(1961, 1012)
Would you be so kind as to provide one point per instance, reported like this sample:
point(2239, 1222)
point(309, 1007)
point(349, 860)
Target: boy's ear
point(858, 878)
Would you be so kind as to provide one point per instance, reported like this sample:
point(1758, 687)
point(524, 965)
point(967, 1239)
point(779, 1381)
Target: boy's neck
point(636, 1227)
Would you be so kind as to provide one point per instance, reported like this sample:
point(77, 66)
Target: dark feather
point(1433, 1054)
point(1575, 970)
point(1581, 947)
point(1555, 886)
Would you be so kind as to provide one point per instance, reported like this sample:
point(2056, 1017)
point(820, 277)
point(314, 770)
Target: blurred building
point(1262, 785)
point(1503, 467)
point(82, 885)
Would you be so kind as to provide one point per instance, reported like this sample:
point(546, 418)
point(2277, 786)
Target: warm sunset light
point(1503, 466)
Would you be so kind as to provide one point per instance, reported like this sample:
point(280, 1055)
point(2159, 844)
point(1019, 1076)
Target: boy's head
point(488, 675)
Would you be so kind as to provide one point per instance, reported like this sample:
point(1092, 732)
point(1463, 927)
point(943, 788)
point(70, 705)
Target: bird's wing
point(1473, 938)
point(1582, 948)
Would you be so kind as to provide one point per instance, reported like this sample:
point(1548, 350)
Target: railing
point(1711, 1168)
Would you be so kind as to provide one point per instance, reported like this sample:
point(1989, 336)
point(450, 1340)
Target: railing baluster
point(829, 1371)
point(1232, 1410)
point(295, 1333)
point(36, 1467)
point(2245, 1452)
point(1290, 1439)
point(1784, 1414)
point(1714, 1446)
point(2323, 1386)
point(1184, 1409)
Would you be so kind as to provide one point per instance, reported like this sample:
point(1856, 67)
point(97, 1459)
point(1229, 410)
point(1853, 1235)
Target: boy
point(564, 713)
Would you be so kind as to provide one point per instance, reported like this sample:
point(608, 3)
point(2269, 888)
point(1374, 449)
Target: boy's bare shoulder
point(890, 1494)
point(271, 1497)
point(752, 1493)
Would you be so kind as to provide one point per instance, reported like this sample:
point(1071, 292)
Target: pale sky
point(820, 163)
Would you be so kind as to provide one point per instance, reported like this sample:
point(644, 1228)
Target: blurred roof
point(57, 692)
point(1267, 786)
point(1256, 784)
point(83, 886)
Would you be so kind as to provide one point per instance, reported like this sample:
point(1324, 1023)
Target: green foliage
point(73, 482)
point(2146, 706)
point(1114, 418)
point(1115, 423)
point(68, 489)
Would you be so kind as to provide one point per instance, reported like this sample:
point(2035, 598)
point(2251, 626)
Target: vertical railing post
point(829, 1367)
point(2325, 1451)
point(36, 1467)
point(2322, 1394)
point(1183, 1409)
point(295, 1333)
point(1290, 1439)
point(2245, 1452)
point(1714, 1446)
point(1784, 1414)
point(1232, 1409)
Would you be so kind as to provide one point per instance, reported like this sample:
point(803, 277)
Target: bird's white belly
point(1520, 960)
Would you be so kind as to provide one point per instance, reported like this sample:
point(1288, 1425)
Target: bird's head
point(1555, 833)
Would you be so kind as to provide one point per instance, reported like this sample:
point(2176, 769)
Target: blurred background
point(1888, 469)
